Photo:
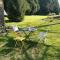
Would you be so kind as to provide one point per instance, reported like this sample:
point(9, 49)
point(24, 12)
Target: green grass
point(49, 50)
point(53, 38)
point(29, 21)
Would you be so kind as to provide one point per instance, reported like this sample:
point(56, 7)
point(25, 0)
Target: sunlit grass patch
point(29, 21)
point(53, 39)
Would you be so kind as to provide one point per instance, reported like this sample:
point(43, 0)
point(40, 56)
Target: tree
point(16, 9)
point(34, 6)
point(2, 25)
point(47, 6)
point(56, 6)
point(11, 9)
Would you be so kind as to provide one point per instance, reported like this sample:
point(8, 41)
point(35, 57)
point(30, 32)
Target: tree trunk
point(2, 26)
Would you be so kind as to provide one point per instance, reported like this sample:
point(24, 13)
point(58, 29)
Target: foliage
point(49, 6)
point(16, 9)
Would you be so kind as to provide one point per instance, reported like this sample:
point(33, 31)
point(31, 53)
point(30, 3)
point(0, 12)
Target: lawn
point(33, 48)
point(29, 21)
point(53, 27)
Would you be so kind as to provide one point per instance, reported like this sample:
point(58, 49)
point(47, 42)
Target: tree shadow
point(26, 45)
point(46, 54)
point(13, 20)
point(49, 31)
point(7, 47)
point(10, 47)
point(47, 25)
